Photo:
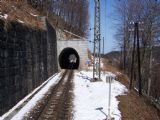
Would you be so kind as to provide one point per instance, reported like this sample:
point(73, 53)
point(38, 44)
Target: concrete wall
point(28, 56)
point(79, 45)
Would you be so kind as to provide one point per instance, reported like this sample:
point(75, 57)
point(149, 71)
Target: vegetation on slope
point(71, 15)
point(140, 61)
point(64, 14)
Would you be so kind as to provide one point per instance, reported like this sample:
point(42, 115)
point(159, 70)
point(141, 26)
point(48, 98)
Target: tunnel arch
point(64, 58)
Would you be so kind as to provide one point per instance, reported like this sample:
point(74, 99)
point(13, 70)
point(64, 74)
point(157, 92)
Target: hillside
point(113, 57)
point(21, 12)
point(33, 13)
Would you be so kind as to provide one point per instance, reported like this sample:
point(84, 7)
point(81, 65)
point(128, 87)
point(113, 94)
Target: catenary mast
point(97, 41)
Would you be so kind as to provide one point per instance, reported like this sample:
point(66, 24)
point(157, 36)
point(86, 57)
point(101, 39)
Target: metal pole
point(103, 45)
point(99, 58)
point(94, 48)
point(97, 40)
point(99, 43)
point(109, 99)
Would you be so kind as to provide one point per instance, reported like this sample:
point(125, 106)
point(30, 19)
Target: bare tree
point(148, 13)
point(73, 14)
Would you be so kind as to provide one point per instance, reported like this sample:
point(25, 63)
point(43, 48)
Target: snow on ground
point(4, 16)
point(20, 21)
point(23, 100)
point(13, 7)
point(33, 15)
point(35, 99)
point(90, 96)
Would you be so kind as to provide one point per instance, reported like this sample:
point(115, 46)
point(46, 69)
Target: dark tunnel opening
point(69, 59)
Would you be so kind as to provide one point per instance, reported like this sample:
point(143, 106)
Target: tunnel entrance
point(69, 59)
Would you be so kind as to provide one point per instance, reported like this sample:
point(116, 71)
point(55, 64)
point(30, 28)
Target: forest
point(138, 37)
point(72, 14)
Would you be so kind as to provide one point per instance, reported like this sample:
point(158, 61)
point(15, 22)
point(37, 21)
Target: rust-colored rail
point(57, 103)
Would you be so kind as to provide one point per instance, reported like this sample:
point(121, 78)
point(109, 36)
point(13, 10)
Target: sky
point(107, 29)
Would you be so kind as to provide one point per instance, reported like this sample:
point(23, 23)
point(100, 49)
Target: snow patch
point(118, 73)
point(13, 7)
point(22, 101)
point(136, 89)
point(4, 16)
point(32, 103)
point(33, 15)
point(102, 65)
point(20, 21)
point(91, 98)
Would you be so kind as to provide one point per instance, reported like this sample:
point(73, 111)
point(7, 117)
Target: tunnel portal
point(69, 59)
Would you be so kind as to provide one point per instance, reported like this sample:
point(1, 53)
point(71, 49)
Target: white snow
point(51, 81)
point(20, 102)
point(118, 73)
point(92, 95)
point(89, 97)
point(23, 112)
point(14, 7)
point(102, 64)
point(20, 21)
point(136, 89)
point(4, 16)
point(33, 15)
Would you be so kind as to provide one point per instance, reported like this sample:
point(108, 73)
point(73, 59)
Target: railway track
point(57, 103)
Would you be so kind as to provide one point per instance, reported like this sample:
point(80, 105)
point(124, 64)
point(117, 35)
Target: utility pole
point(137, 45)
point(133, 58)
point(103, 45)
point(109, 98)
point(139, 61)
point(97, 39)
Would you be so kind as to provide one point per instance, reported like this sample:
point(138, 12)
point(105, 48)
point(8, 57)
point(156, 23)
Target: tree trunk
point(150, 72)
point(139, 61)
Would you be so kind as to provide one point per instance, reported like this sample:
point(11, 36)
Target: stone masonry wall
point(28, 56)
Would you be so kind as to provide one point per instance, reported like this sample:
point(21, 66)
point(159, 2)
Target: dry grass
point(123, 79)
point(21, 11)
point(135, 107)
point(132, 106)
point(109, 67)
